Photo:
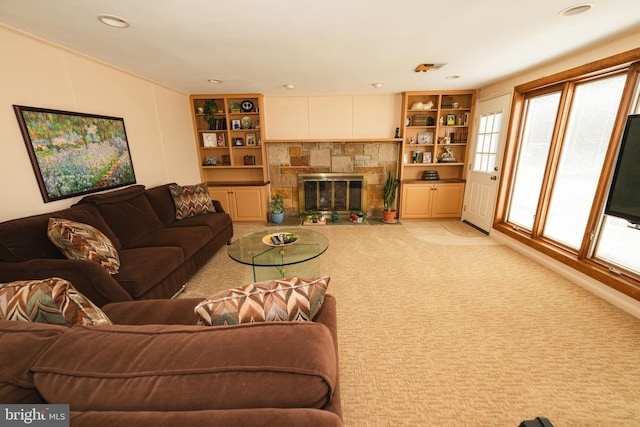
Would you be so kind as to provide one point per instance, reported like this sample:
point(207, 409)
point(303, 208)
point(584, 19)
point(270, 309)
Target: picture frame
point(425, 138)
point(75, 153)
point(209, 139)
point(221, 140)
point(235, 124)
point(238, 142)
point(250, 139)
point(426, 157)
point(451, 119)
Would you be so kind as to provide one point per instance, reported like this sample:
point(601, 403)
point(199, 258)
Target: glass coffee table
point(270, 260)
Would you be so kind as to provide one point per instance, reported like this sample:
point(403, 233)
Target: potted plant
point(277, 209)
point(209, 110)
point(388, 198)
point(357, 216)
point(335, 216)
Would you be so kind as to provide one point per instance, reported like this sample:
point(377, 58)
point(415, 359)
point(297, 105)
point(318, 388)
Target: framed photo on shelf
point(426, 157)
point(238, 142)
point(222, 140)
point(425, 138)
point(210, 139)
point(451, 119)
point(235, 124)
point(251, 139)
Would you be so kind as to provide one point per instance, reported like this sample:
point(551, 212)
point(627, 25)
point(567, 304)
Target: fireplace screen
point(332, 192)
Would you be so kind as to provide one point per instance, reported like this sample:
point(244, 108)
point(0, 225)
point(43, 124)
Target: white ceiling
point(323, 47)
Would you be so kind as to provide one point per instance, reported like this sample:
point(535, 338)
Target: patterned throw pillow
point(272, 300)
point(52, 300)
point(191, 200)
point(84, 242)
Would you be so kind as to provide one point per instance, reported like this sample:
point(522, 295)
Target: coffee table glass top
point(251, 249)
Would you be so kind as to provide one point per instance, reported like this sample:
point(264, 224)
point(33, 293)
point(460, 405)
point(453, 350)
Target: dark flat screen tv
point(624, 194)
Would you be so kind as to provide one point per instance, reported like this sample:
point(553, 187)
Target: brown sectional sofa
point(158, 253)
point(154, 366)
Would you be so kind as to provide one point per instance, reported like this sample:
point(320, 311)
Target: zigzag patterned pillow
point(269, 301)
point(52, 300)
point(84, 242)
point(191, 200)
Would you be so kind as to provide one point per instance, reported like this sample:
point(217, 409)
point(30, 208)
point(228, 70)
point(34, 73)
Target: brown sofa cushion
point(190, 368)
point(162, 203)
point(52, 300)
point(82, 241)
point(143, 268)
point(189, 239)
point(22, 344)
point(176, 311)
point(271, 300)
point(128, 213)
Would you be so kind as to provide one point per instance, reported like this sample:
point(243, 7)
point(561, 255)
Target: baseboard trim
point(607, 293)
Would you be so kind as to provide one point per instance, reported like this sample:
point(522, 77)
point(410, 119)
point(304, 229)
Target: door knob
point(493, 178)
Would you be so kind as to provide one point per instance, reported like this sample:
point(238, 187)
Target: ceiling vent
point(428, 67)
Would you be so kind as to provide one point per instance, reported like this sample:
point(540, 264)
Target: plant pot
point(389, 216)
point(277, 217)
point(335, 217)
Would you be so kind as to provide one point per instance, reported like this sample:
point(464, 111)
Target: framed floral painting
point(75, 153)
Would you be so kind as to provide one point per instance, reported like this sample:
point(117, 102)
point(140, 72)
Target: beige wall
point(622, 43)
point(38, 74)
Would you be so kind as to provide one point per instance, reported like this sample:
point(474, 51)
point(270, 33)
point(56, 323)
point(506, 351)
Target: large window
point(593, 111)
point(561, 149)
point(617, 243)
point(533, 154)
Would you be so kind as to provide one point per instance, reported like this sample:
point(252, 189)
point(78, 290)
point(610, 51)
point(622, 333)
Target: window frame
point(565, 81)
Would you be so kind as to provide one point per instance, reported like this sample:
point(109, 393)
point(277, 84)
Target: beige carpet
point(461, 331)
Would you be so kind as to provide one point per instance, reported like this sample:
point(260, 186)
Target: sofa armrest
point(88, 277)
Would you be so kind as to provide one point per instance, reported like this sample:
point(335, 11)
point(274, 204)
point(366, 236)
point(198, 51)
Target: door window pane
point(539, 121)
point(593, 112)
point(487, 143)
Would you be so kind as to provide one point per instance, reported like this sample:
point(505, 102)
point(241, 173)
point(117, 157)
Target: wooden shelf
point(433, 121)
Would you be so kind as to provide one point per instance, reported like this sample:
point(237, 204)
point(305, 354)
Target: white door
point(489, 134)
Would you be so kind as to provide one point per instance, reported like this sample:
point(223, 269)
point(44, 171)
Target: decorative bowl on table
point(280, 239)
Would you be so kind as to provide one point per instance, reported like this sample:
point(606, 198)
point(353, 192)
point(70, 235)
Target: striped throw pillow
point(191, 200)
point(53, 300)
point(268, 301)
point(84, 242)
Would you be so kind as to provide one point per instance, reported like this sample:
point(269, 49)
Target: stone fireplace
point(371, 160)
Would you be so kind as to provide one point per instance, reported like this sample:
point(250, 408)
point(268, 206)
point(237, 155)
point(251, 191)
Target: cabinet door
point(447, 200)
point(416, 200)
point(249, 204)
point(222, 194)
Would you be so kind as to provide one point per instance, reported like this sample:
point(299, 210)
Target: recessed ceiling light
point(452, 77)
point(576, 9)
point(214, 81)
point(377, 85)
point(289, 86)
point(113, 21)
